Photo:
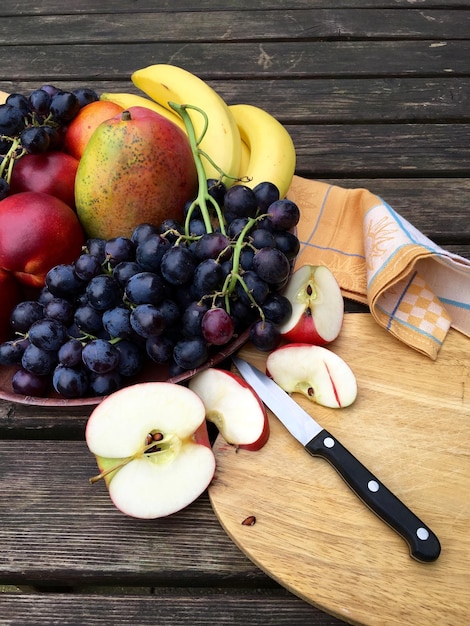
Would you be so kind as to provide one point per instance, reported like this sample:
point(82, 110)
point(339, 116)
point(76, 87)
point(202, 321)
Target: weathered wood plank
point(291, 24)
point(191, 606)
point(370, 150)
point(325, 100)
point(57, 7)
point(58, 529)
point(242, 61)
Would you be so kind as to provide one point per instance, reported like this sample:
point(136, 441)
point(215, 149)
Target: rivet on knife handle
point(423, 543)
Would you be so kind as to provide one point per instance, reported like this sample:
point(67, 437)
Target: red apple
point(233, 406)
point(51, 172)
point(85, 123)
point(37, 231)
point(317, 306)
point(316, 372)
point(152, 448)
point(10, 295)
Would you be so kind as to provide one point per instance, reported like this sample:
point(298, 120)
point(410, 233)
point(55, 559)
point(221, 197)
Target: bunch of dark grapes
point(169, 295)
point(36, 123)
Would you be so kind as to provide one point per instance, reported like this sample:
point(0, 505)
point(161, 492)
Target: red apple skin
point(85, 123)
point(37, 232)
point(10, 295)
point(304, 331)
point(51, 172)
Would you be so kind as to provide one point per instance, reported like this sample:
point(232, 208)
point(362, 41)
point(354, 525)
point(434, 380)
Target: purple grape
point(25, 314)
point(100, 356)
point(48, 334)
point(265, 336)
point(271, 265)
point(217, 326)
point(103, 292)
point(283, 214)
point(28, 384)
point(266, 193)
point(131, 358)
point(147, 320)
point(70, 382)
point(190, 353)
point(159, 348)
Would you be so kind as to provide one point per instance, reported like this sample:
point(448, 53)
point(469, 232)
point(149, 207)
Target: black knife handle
point(423, 543)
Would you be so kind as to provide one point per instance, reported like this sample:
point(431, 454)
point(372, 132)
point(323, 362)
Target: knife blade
point(423, 544)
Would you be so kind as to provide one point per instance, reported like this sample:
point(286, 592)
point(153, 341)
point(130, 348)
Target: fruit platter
point(143, 240)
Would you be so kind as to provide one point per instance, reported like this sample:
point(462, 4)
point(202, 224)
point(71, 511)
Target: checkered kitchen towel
point(414, 288)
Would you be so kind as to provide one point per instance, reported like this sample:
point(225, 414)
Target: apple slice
point(152, 448)
point(233, 406)
point(316, 372)
point(317, 306)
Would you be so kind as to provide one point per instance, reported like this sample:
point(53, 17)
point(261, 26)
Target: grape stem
point(203, 197)
point(10, 157)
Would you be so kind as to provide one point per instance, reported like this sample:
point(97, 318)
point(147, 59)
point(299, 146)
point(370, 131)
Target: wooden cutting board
point(410, 425)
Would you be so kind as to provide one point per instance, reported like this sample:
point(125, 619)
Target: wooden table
point(375, 93)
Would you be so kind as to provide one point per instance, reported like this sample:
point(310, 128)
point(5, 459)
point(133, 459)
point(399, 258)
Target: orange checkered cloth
point(414, 288)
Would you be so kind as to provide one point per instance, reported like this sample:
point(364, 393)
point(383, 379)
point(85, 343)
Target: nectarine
point(37, 231)
point(85, 123)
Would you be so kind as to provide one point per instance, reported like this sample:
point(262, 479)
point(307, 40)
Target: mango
point(137, 167)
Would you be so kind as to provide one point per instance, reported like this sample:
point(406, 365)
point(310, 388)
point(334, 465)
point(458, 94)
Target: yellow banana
point(127, 100)
point(245, 160)
point(272, 151)
point(3, 96)
point(169, 83)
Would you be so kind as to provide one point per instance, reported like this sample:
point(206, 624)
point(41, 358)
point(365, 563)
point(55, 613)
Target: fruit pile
point(139, 236)
point(140, 291)
point(167, 294)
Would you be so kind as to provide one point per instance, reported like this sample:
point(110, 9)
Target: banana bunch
point(269, 153)
point(169, 83)
point(244, 141)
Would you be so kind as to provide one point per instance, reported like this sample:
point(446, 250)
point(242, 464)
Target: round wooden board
point(410, 425)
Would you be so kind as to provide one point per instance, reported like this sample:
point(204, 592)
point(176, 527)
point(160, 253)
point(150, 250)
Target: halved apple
point(317, 306)
point(152, 448)
point(233, 406)
point(316, 372)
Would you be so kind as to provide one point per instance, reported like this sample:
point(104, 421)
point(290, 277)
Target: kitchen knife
point(423, 543)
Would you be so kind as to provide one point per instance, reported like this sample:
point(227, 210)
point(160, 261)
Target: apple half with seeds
point(233, 406)
point(152, 448)
point(314, 371)
point(317, 306)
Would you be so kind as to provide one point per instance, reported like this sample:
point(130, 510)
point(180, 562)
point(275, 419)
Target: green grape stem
point(204, 198)
point(8, 161)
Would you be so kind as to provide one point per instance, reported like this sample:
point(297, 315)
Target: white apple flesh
point(233, 406)
point(152, 448)
point(314, 371)
point(317, 306)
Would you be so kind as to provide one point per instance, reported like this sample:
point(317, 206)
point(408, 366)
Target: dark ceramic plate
point(152, 373)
